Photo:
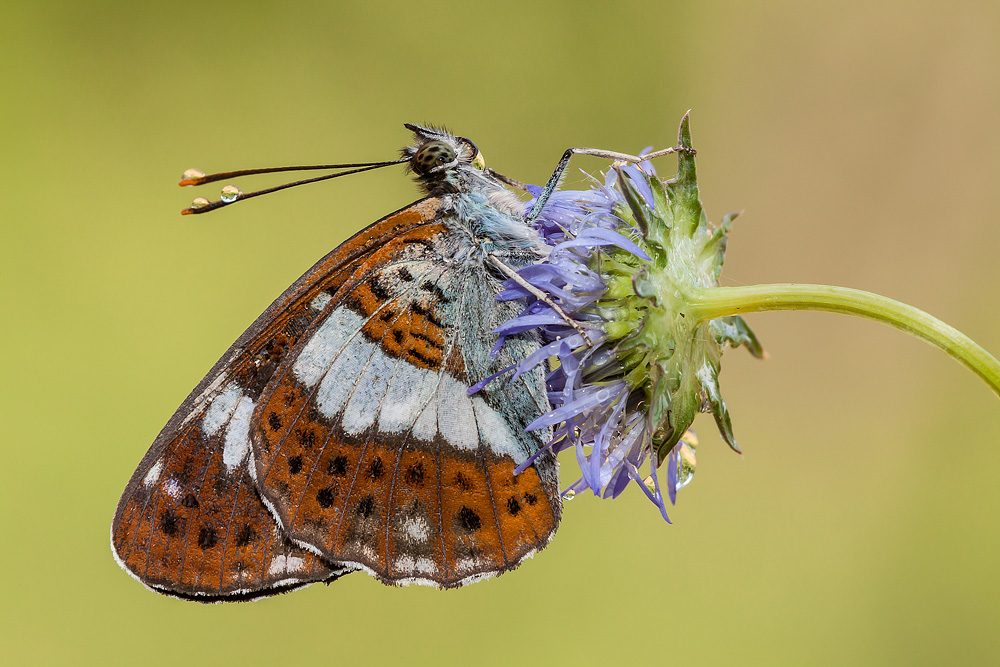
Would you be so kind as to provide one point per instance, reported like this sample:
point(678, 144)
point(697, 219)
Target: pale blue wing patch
point(230, 410)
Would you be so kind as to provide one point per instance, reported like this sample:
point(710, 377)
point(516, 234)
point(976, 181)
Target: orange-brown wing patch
point(413, 533)
point(472, 537)
point(360, 534)
point(191, 528)
point(524, 507)
point(414, 335)
point(406, 510)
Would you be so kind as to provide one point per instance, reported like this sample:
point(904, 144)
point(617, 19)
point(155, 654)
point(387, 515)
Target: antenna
point(232, 194)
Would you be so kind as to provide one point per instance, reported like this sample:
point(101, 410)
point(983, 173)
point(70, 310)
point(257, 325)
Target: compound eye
point(432, 154)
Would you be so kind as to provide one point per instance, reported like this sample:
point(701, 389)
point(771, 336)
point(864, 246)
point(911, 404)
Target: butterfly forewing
point(190, 522)
point(368, 446)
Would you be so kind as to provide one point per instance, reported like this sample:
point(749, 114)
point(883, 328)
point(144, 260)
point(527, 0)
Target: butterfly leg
point(540, 295)
point(560, 169)
point(506, 180)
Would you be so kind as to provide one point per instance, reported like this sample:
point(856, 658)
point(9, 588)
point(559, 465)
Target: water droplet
point(200, 202)
point(569, 494)
point(231, 193)
point(650, 483)
point(192, 174)
point(686, 463)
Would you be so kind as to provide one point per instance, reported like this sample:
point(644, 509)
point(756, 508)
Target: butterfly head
point(444, 163)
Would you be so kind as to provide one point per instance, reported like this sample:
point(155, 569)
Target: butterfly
point(338, 434)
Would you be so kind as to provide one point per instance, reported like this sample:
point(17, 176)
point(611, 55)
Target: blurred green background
point(861, 138)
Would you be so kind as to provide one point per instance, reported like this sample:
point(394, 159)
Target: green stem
point(710, 303)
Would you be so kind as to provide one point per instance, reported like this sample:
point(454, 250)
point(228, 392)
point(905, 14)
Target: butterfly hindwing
point(369, 448)
point(190, 522)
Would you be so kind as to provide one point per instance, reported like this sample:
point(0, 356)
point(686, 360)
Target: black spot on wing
point(366, 506)
point(274, 421)
point(427, 361)
point(378, 289)
point(463, 482)
point(170, 523)
point(433, 288)
point(207, 538)
point(427, 312)
point(467, 520)
point(414, 475)
point(222, 484)
point(337, 466)
point(307, 438)
point(431, 343)
point(246, 535)
point(326, 496)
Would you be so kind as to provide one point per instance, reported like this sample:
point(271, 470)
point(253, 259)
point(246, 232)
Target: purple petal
point(524, 323)
point(618, 483)
point(654, 496)
point(672, 475)
point(585, 470)
point(639, 181)
point(496, 348)
point(578, 486)
point(577, 276)
point(656, 485)
point(482, 383)
point(599, 236)
point(544, 352)
point(586, 399)
point(647, 165)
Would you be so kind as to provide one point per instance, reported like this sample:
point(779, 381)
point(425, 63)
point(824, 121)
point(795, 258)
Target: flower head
point(634, 364)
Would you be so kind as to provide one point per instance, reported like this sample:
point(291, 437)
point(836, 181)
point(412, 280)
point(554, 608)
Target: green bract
point(672, 355)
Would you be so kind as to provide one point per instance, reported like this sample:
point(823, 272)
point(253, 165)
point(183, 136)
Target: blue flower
point(630, 370)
